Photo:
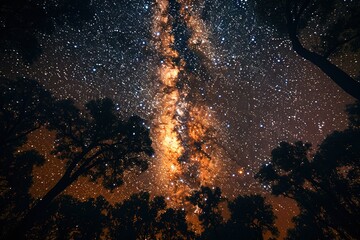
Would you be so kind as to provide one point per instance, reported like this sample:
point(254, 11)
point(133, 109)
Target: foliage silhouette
point(98, 143)
point(16, 180)
point(340, 32)
point(136, 217)
point(173, 226)
point(142, 218)
point(23, 20)
point(69, 218)
point(24, 107)
point(94, 143)
point(326, 186)
point(207, 201)
point(251, 218)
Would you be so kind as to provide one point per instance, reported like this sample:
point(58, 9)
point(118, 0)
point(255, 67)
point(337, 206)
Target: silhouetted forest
point(95, 142)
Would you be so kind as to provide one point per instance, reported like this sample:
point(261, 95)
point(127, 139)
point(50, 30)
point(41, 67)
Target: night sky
point(211, 65)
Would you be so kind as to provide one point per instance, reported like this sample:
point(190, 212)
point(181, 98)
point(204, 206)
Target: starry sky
point(227, 72)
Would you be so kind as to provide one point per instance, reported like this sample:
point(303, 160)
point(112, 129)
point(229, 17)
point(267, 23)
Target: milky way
point(218, 89)
point(184, 129)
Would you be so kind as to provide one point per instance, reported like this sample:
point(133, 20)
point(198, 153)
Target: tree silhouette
point(94, 143)
point(16, 180)
point(69, 218)
point(250, 218)
point(23, 20)
point(326, 186)
point(136, 218)
point(172, 225)
point(24, 107)
point(207, 202)
point(340, 32)
point(142, 218)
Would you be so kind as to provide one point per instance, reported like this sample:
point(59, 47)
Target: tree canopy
point(24, 108)
point(251, 218)
point(139, 217)
point(93, 142)
point(325, 184)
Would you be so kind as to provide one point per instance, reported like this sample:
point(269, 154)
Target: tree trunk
point(341, 78)
point(38, 210)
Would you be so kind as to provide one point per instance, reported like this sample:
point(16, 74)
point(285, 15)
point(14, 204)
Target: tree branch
point(341, 78)
point(84, 167)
